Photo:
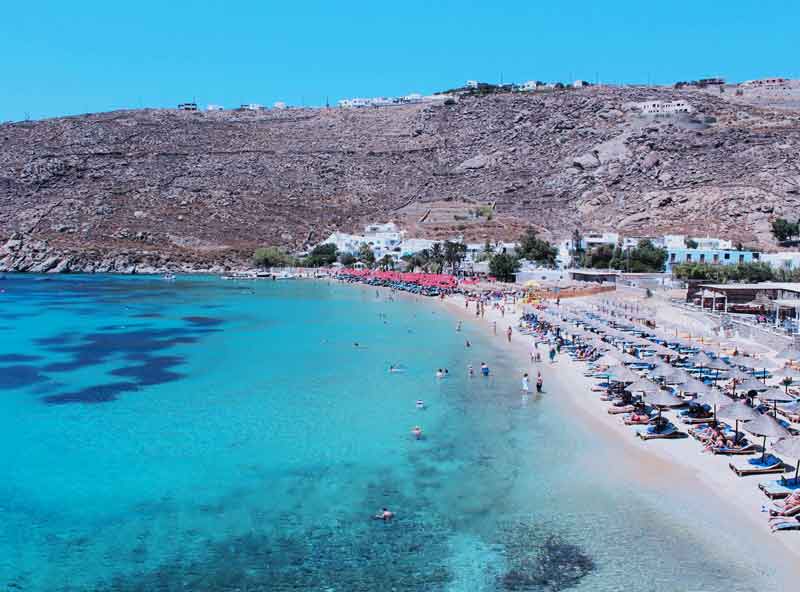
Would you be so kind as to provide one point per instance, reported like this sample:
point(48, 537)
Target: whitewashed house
point(664, 107)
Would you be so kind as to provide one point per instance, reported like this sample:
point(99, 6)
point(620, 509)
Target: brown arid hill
point(154, 189)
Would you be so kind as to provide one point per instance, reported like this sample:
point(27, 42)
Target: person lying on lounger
point(636, 417)
point(788, 507)
point(717, 440)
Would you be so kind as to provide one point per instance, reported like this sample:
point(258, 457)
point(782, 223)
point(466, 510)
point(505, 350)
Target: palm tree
point(437, 256)
point(386, 263)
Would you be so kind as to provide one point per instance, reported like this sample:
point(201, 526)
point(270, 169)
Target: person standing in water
point(470, 371)
point(509, 331)
point(484, 369)
point(458, 327)
point(494, 327)
point(526, 384)
point(552, 354)
point(539, 382)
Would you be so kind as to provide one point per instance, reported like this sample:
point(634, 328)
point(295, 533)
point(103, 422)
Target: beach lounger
point(790, 513)
point(746, 449)
point(629, 421)
point(786, 524)
point(779, 488)
point(755, 466)
point(695, 420)
point(665, 434)
point(621, 409)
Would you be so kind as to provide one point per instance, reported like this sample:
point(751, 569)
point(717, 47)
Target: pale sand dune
point(669, 464)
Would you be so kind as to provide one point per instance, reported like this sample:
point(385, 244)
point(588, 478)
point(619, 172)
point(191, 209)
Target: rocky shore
point(30, 255)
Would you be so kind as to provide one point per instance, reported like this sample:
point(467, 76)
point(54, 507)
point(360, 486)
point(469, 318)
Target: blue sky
point(59, 57)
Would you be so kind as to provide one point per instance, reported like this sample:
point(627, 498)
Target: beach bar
point(782, 298)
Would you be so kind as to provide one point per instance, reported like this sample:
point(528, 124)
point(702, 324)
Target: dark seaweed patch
point(154, 370)
point(100, 393)
point(19, 376)
point(58, 339)
point(17, 358)
point(540, 561)
point(407, 556)
point(203, 321)
point(140, 346)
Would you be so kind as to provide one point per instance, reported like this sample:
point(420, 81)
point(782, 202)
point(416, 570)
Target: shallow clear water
point(212, 435)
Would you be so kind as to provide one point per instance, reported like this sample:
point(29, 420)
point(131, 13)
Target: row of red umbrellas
point(438, 280)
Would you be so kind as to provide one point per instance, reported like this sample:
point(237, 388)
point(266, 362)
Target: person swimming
point(420, 404)
point(417, 432)
point(467, 343)
point(470, 370)
point(385, 514)
point(439, 373)
point(398, 368)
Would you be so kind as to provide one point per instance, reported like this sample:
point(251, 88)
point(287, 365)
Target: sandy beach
point(671, 465)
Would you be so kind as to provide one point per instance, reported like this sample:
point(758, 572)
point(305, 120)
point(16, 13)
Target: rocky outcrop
point(153, 189)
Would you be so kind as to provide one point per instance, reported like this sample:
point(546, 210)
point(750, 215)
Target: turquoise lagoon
point(216, 435)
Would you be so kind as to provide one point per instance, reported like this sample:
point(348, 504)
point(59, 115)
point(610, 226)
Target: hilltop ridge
point(145, 190)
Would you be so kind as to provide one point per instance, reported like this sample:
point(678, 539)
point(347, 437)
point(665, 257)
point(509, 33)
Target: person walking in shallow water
point(526, 384)
point(552, 354)
point(539, 382)
point(509, 331)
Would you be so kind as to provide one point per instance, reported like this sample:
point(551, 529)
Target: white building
point(215, 108)
point(472, 84)
point(589, 241)
point(345, 243)
point(383, 239)
point(713, 243)
point(279, 105)
point(766, 82)
point(673, 241)
point(412, 98)
point(415, 245)
point(580, 84)
point(252, 107)
point(664, 108)
point(785, 260)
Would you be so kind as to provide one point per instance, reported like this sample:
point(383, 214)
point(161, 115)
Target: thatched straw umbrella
point(738, 411)
point(776, 395)
point(788, 376)
point(715, 398)
point(623, 374)
point(766, 427)
point(789, 447)
point(661, 398)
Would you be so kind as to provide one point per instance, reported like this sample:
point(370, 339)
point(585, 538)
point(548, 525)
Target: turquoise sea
point(218, 435)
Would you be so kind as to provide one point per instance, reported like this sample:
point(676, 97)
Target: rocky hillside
point(152, 189)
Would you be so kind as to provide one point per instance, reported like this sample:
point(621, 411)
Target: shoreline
point(672, 464)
